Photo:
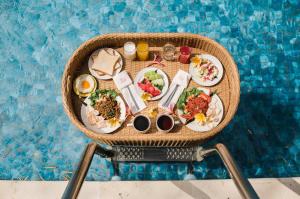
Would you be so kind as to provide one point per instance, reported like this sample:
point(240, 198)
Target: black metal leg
point(116, 173)
point(190, 172)
point(190, 167)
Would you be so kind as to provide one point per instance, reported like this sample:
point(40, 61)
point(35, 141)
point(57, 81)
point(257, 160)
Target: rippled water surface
point(37, 140)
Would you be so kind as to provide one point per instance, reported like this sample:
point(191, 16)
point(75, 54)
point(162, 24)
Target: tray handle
point(68, 83)
point(74, 185)
point(243, 185)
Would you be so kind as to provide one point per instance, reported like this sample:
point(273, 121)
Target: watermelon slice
point(149, 88)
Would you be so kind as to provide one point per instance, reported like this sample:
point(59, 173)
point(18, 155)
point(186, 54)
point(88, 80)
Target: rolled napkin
point(179, 83)
point(133, 100)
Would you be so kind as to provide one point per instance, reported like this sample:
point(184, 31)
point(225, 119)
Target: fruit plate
point(140, 76)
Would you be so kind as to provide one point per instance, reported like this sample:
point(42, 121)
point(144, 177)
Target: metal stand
point(156, 154)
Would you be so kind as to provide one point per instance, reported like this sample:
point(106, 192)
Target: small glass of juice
point(143, 50)
point(185, 53)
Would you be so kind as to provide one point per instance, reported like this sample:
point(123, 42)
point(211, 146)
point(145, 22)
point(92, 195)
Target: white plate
point(216, 62)
point(111, 52)
point(195, 126)
point(140, 76)
point(106, 129)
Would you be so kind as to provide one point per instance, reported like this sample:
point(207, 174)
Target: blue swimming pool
point(37, 140)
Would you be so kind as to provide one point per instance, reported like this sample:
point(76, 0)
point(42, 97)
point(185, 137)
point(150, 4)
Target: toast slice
point(105, 63)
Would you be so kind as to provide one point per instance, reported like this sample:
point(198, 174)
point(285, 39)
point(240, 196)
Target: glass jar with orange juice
point(142, 50)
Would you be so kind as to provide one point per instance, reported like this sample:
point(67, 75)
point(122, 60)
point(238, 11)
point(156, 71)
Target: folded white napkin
point(133, 100)
point(179, 83)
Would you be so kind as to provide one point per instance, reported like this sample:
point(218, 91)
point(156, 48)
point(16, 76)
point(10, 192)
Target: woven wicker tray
point(228, 88)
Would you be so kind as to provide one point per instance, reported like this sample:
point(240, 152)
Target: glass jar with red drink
point(185, 53)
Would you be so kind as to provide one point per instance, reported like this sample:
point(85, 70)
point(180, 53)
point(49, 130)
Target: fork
point(171, 96)
point(136, 106)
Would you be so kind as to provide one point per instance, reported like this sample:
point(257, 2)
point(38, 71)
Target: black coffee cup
point(141, 123)
point(165, 123)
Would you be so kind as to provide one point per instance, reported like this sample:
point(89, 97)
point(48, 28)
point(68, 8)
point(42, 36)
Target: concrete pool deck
point(271, 188)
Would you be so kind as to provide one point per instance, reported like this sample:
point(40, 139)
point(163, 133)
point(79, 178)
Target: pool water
point(37, 140)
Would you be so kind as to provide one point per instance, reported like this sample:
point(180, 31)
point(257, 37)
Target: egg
point(84, 85)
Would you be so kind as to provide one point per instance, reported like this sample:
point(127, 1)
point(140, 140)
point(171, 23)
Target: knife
point(132, 98)
point(171, 96)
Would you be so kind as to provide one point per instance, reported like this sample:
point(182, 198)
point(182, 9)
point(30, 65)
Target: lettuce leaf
point(185, 94)
point(194, 91)
point(108, 92)
point(181, 101)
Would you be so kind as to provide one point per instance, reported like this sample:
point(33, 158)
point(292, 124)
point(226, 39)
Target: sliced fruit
point(156, 92)
point(205, 97)
point(152, 75)
point(149, 88)
point(142, 86)
point(158, 82)
point(187, 116)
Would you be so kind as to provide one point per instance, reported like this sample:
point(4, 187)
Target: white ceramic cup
point(169, 127)
point(137, 127)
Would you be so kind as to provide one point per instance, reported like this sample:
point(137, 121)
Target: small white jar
point(129, 50)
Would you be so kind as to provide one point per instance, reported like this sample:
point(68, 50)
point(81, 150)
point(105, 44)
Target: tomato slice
point(205, 97)
point(187, 116)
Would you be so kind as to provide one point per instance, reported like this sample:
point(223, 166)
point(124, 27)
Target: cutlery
point(82, 102)
point(132, 99)
point(171, 96)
